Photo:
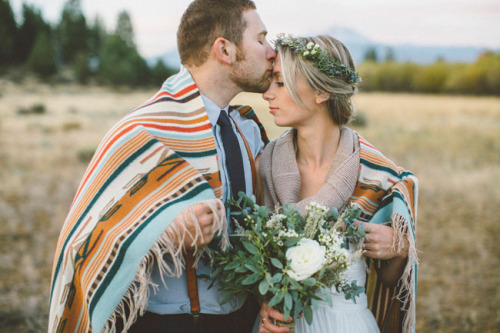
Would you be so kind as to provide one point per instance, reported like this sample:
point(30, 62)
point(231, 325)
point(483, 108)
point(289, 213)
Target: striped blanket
point(385, 192)
point(155, 162)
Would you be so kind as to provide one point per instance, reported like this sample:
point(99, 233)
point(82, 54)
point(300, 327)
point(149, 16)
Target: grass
point(450, 142)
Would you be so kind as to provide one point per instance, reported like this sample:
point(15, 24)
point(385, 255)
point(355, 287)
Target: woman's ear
point(322, 97)
point(224, 50)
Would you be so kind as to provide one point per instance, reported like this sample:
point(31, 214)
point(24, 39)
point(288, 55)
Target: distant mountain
point(359, 44)
point(171, 59)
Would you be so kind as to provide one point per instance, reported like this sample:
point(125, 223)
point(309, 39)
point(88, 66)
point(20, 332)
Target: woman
point(321, 160)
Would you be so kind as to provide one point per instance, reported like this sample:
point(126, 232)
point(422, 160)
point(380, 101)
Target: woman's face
point(285, 111)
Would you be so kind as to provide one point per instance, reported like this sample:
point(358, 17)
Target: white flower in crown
point(305, 54)
point(310, 45)
point(314, 51)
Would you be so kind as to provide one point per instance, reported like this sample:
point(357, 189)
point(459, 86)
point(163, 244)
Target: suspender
point(192, 283)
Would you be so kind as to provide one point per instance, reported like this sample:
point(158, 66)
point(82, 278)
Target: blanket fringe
point(135, 300)
point(406, 294)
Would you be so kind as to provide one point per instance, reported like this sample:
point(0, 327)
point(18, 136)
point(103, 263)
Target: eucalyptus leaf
point(309, 282)
point(288, 301)
point(277, 278)
point(232, 265)
point(276, 298)
point(250, 247)
point(263, 287)
point(308, 314)
point(276, 263)
point(251, 279)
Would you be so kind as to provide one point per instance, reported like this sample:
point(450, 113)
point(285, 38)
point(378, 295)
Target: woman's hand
point(379, 240)
point(267, 314)
point(378, 244)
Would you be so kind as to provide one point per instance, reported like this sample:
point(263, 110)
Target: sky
point(390, 22)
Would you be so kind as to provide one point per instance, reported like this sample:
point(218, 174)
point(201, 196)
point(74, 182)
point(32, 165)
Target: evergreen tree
point(120, 62)
point(389, 55)
point(82, 68)
point(125, 29)
point(8, 33)
point(96, 37)
point(371, 55)
point(72, 31)
point(33, 24)
point(160, 72)
point(42, 59)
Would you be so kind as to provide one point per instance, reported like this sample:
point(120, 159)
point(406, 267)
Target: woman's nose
point(267, 95)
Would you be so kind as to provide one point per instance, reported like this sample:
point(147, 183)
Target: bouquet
point(287, 259)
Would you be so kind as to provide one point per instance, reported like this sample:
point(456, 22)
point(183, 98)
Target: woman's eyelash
point(280, 83)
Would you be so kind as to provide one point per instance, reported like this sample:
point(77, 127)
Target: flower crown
point(313, 53)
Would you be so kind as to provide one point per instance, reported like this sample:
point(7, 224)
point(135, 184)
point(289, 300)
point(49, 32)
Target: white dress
point(344, 316)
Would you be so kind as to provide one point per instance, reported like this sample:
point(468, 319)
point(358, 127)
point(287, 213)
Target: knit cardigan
point(158, 160)
point(385, 193)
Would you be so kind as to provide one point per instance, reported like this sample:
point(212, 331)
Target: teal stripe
point(378, 167)
point(113, 176)
point(110, 151)
point(189, 154)
point(128, 245)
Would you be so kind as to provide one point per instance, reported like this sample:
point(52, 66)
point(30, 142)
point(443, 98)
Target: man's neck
point(215, 84)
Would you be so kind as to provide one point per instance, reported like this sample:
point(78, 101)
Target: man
point(151, 195)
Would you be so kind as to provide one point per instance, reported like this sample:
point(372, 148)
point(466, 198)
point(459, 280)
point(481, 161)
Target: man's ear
point(322, 97)
point(224, 50)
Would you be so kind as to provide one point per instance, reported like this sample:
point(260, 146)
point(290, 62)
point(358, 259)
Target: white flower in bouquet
point(306, 258)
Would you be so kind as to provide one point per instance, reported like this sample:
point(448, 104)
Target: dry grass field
point(451, 143)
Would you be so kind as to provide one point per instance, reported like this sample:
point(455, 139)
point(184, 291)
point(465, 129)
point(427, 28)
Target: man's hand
point(195, 224)
point(267, 314)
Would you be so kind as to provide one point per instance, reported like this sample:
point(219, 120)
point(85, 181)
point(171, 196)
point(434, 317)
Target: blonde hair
point(340, 106)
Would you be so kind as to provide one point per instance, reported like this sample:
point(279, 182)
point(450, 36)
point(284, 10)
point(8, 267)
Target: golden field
point(451, 143)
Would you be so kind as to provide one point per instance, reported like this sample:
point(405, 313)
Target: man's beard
point(245, 78)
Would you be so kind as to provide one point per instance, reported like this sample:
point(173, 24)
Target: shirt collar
point(213, 111)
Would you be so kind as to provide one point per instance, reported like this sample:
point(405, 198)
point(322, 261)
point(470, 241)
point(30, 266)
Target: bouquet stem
point(290, 325)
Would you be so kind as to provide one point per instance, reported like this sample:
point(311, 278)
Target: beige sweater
point(281, 178)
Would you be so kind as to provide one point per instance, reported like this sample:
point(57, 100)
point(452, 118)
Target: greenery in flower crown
point(266, 253)
point(313, 53)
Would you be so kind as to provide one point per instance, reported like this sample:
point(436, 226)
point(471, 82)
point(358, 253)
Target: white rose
point(305, 259)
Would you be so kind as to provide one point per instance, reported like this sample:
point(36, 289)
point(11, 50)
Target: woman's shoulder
point(371, 158)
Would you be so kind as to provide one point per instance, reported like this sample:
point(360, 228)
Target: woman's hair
point(340, 106)
point(206, 20)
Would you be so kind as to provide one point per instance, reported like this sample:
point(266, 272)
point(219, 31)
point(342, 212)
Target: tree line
point(479, 78)
point(74, 45)
point(91, 54)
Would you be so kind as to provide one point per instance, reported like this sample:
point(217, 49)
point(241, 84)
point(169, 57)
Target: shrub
point(34, 109)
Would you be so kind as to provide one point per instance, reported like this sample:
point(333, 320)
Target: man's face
point(254, 61)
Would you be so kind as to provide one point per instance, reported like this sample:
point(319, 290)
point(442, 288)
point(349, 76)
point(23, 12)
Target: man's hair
point(206, 20)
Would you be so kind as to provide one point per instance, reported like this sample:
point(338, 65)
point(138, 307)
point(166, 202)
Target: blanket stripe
point(155, 162)
point(387, 194)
